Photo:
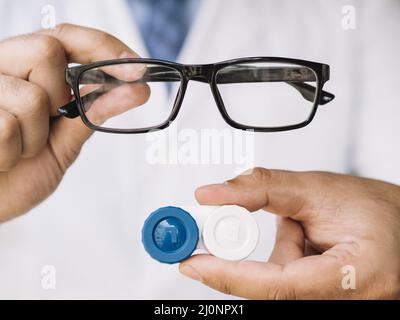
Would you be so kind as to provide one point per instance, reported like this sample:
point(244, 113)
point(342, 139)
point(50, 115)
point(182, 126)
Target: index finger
point(288, 194)
point(86, 45)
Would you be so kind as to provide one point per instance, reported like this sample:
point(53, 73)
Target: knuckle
point(283, 287)
point(261, 174)
point(272, 293)
point(103, 37)
point(49, 48)
point(9, 140)
point(37, 100)
point(9, 129)
point(8, 163)
point(62, 28)
point(224, 287)
point(9, 84)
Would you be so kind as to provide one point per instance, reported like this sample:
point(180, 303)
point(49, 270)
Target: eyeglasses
point(262, 94)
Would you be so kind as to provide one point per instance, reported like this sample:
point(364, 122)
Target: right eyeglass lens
point(268, 95)
point(129, 96)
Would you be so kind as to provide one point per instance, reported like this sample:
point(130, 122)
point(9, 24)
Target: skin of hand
point(36, 145)
point(325, 223)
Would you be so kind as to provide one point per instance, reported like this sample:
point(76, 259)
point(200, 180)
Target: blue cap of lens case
point(170, 235)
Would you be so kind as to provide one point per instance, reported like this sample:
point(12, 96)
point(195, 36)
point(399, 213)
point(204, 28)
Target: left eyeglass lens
point(130, 96)
point(268, 94)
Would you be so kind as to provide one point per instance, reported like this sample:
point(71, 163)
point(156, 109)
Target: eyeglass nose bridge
point(202, 73)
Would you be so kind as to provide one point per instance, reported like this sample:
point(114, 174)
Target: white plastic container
point(227, 232)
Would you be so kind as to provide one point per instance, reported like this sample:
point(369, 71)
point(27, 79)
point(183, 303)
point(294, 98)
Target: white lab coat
point(90, 228)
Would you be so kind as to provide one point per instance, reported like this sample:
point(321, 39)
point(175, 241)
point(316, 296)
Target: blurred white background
point(89, 230)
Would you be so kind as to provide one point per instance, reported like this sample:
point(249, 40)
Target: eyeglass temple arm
point(293, 76)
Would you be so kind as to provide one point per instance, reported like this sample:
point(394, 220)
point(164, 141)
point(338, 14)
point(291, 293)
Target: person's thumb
point(314, 277)
point(248, 279)
point(67, 136)
point(288, 194)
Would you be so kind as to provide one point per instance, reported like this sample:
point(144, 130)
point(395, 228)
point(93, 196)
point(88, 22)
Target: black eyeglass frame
point(201, 72)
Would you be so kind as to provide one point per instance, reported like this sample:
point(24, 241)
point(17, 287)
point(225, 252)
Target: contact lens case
point(172, 234)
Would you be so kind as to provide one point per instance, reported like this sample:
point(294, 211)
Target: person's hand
point(36, 146)
point(329, 227)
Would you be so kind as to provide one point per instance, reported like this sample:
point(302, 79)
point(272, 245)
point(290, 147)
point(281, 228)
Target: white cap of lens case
point(172, 234)
point(227, 232)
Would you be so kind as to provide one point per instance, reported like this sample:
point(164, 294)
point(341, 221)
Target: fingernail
point(211, 187)
point(132, 71)
point(190, 272)
point(127, 55)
